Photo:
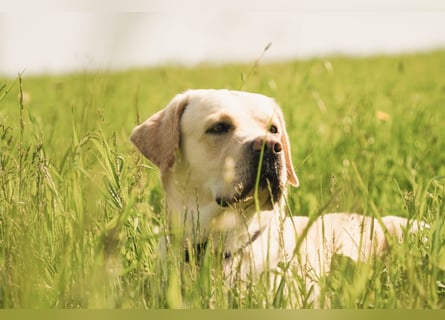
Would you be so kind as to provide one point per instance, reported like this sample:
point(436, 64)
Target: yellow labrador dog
point(225, 163)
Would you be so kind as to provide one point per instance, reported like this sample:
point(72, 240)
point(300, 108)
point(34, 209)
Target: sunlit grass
point(81, 211)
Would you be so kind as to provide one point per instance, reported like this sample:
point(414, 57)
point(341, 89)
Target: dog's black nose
point(271, 145)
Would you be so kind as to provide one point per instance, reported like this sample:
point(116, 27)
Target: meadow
point(81, 211)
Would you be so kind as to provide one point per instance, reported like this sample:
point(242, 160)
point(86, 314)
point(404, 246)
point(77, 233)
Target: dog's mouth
point(224, 202)
point(265, 194)
point(243, 196)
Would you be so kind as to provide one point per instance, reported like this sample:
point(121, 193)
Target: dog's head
point(219, 148)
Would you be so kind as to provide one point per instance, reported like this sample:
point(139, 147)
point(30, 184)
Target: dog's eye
point(219, 128)
point(273, 129)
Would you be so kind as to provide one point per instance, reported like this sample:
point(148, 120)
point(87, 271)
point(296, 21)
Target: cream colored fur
point(203, 143)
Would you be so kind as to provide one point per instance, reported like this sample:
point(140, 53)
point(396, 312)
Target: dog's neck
point(193, 212)
point(227, 253)
point(200, 219)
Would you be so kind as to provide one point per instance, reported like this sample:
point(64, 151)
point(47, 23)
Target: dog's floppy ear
point(291, 176)
point(158, 137)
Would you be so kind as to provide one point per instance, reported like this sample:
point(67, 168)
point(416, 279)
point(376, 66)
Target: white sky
point(78, 36)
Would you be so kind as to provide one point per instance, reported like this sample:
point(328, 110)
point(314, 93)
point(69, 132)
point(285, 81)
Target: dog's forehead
point(204, 104)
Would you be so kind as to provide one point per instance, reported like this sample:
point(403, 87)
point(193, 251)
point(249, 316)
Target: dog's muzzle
point(265, 165)
point(268, 155)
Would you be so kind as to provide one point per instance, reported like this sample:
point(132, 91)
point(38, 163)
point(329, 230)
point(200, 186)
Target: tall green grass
point(81, 211)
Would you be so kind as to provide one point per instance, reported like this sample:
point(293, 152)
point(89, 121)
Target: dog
point(225, 162)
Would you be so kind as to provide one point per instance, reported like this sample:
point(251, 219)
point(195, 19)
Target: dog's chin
point(264, 198)
point(236, 201)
